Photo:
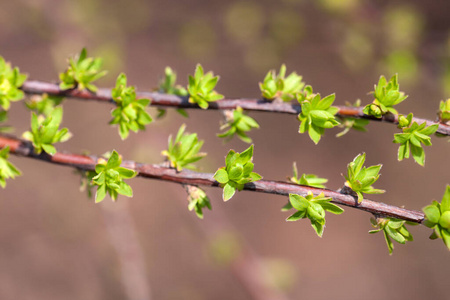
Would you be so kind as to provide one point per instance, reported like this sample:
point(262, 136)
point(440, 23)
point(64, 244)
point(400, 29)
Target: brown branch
point(166, 100)
point(24, 148)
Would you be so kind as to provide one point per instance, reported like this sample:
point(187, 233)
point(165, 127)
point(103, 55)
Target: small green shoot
point(278, 87)
point(360, 179)
point(109, 178)
point(393, 229)
point(184, 150)
point(10, 82)
point(43, 104)
point(238, 123)
point(437, 217)
point(307, 179)
point(201, 88)
point(444, 111)
point(7, 169)
point(197, 200)
point(236, 173)
point(82, 71)
point(352, 123)
point(45, 131)
point(168, 86)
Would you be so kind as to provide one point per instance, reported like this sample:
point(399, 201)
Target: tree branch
point(25, 148)
point(166, 100)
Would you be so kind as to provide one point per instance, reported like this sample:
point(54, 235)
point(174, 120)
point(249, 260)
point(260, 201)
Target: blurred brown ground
point(53, 240)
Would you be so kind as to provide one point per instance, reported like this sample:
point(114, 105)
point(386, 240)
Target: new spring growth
point(201, 88)
point(7, 169)
point(412, 138)
point(352, 123)
point(444, 111)
point(10, 82)
point(360, 179)
point(437, 217)
point(197, 199)
point(109, 178)
point(307, 179)
point(313, 208)
point(238, 123)
point(278, 87)
point(82, 71)
point(387, 94)
point(393, 229)
point(237, 172)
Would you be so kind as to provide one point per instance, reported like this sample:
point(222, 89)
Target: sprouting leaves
point(43, 104)
point(278, 87)
point(197, 200)
point(317, 115)
point(444, 111)
point(130, 113)
point(412, 138)
point(437, 217)
point(352, 123)
point(45, 131)
point(307, 179)
point(237, 172)
point(393, 229)
point(10, 81)
point(201, 88)
point(7, 169)
point(168, 85)
point(109, 178)
point(360, 179)
point(82, 71)
point(387, 94)
point(238, 123)
point(184, 150)
point(313, 208)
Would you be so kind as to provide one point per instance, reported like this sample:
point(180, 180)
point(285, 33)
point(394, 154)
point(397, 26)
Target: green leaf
point(297, 216)
point(228, 191)
point(298, 202)
point(100, 194)
point(221, 176)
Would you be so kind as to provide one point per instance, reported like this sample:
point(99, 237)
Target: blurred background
point(55, 243)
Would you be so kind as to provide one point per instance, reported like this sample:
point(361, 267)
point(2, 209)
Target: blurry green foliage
point(198, 39)
point(244, 21)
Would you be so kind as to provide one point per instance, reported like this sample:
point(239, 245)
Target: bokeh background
point(55, 243)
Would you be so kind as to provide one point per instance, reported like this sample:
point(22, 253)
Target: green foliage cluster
point(7, 169)
point(280, 87)
point(387, 94)
point(238, 123)
point(360, 179)
point(45, 131)
point(197, 200)
point(444, 111)
point(43, 105)
point(237, 172)
point(82, 71)
point(352, 123)
point(201, 88)
point(184, 150)
point(438, 218)
point(168, 85)
point(393, 229)
point(109, 178)
point(412, 138)
point(307, 179)
point(313, 208)
point(317, 115)
point(130, 112)
point(10, 82)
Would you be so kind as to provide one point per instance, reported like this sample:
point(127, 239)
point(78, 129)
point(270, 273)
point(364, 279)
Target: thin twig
point(24, 148)
point(166, 100)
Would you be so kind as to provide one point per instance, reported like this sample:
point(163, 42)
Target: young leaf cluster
point(237, 172)
point(412, 138)
point(184, 150)
point(130, 112)
point(7, 169)
point(197, 200)
point(387, 94)
point(360, 179)
point(82, 71)
point(317, 115)
point(307, 179)
point(393, 229)
point(44, 104)
point(45, 131)
point(444, 111)
point(169, 84)
point(109, 178)
point(201, 88)
point(312, 208)
point(352, 123)
point(10, 81)
point(278, 87)
point(238, 123)
point(438, 218)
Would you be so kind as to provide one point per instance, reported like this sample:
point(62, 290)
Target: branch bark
point(166, 100)
point(25, 148)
